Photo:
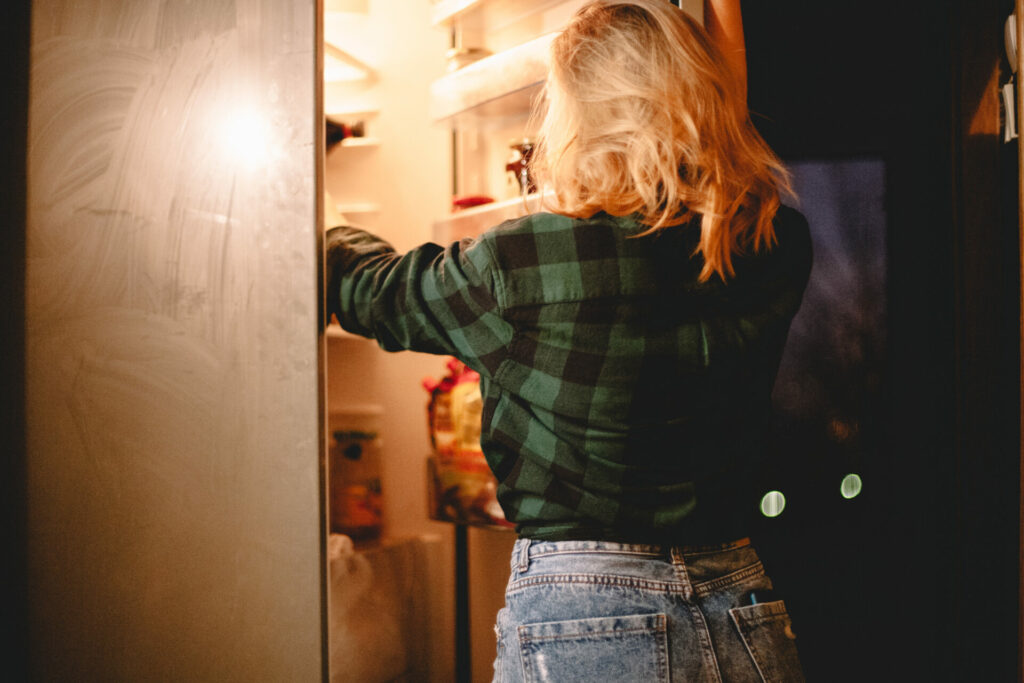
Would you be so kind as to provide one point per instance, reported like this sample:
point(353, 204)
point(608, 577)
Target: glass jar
point(354, 470)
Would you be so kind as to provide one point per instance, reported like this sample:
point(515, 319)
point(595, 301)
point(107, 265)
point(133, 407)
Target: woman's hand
point(724, 24)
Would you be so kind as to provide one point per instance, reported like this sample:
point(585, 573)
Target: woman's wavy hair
point(644, 117)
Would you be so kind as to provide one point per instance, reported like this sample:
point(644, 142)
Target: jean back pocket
point(623, 648)
point(768, 636)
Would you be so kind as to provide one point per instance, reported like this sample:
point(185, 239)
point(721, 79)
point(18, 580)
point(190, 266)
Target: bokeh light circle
point(851, 486)
point(773, 503)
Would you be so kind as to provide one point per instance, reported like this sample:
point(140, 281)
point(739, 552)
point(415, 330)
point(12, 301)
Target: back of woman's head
point(643, 116)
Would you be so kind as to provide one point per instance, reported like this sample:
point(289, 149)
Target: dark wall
point(14, 37)
point(919, 578)
point(986, 251)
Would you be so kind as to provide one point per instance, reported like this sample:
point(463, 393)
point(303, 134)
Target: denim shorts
point(601, 611)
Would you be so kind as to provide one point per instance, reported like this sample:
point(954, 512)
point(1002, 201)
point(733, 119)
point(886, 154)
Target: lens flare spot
point(773, 503)
point(851, 486)
point(245, 136)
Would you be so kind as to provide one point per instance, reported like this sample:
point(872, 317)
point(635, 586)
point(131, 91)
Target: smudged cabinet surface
point(173, 351)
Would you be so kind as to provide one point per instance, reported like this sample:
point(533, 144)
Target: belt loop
point(524, 554)
point(682, 575)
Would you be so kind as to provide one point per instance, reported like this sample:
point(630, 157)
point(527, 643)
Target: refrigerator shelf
point(350, 115)
point(447, 12)
point(501, 85)
point(346, 208)
point(334, 331)
point(341, 66)
point(490, 15)
point(472, 222)
point(360, 142)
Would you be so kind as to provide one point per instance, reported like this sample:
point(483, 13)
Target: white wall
point(172, 345)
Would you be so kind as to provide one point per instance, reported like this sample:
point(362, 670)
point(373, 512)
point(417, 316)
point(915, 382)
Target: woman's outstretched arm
point(724, 23)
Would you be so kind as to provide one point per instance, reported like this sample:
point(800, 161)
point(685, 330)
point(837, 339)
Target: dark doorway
point(915, 577)
point(14, 37)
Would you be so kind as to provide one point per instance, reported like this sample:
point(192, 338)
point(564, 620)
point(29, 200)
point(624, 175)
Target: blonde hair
point(643, 116)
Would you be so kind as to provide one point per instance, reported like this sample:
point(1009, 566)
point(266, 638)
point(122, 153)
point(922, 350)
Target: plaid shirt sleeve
point(431, 299)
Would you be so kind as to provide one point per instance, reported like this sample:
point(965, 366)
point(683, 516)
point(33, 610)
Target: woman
point(627, 342)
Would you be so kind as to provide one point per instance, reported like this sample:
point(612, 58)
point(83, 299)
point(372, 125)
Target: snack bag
point(439, 408)
point(463, 487)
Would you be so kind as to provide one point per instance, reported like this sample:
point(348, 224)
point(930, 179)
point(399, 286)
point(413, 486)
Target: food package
point(463, 487)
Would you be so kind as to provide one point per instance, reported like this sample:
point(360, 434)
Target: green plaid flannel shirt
point(623, 399)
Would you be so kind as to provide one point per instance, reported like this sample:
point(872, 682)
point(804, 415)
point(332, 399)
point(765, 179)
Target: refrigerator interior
point(423, 134)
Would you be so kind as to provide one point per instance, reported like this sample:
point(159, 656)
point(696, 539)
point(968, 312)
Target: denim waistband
point(689, 570)
point(537, 548)
point(526, 549)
